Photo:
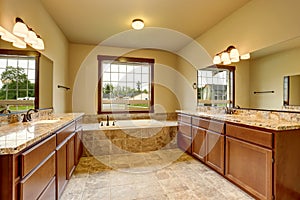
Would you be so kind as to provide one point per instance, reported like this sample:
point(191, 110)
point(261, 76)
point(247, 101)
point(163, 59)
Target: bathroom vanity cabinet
point(78, 140)
point(202, 138)
point(37, 166)
point(249, 159)
point(184, 135)
point(208, 135)
point(68, 151)
point(263, 162)
point(64, 156)
point(42, 170)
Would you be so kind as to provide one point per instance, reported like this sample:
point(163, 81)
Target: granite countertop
point(17, 136)
point(273, 123)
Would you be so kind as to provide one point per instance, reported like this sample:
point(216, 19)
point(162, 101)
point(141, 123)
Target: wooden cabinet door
point(198, 144)
point(184, 142)
point(78, 146)
point(61, 168)
point(250, 166)
point(70, 156)
point(215, 151)
point(185, 129)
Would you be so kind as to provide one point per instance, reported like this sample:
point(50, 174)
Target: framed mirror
point(215, 86)
point(26, 79)
point(264, 74)
point(291, 90)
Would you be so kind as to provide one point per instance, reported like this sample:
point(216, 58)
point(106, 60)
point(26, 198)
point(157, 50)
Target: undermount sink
point(46, 121)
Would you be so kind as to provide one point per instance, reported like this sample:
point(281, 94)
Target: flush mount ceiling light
point(137, 24)
point(231, 54)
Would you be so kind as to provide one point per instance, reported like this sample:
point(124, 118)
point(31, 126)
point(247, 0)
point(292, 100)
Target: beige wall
point(256, 25)
point(45, 82)
point(84, 76)
point(242, 84)
point(188, 95)
point(56, 44)
point(266, 73)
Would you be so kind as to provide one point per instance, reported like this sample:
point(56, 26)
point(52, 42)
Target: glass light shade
point(217, 59)
point(137, 24)
point(225, 56)
point(1, 31)
point(19, 44)
point(31, 38)
point(227, 62)
point(39, 45)
point(245, 56)
point(237, 59)
point(20, 29)
point(234, 53)
point(8, 38)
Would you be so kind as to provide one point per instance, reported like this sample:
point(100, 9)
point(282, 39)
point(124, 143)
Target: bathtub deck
point(108, 141)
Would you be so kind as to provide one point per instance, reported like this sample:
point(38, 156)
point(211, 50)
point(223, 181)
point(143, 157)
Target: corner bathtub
point(129, 136)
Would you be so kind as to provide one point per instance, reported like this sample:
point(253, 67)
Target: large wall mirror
point(26, 79)
point(291, 90)
point(215, 86)
point(268, 68)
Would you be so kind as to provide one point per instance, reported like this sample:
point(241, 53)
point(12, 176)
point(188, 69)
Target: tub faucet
point(107, 120)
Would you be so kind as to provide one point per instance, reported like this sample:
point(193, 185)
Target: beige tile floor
point(163, 174)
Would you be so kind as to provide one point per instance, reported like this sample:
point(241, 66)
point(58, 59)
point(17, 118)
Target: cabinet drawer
point(250, 135)
point(184, 142)
point(33, 185)
point(65, 132)
point(209, 124)
point(185, 129)
point(32, 157)
point(49, 192)
point(184, 118)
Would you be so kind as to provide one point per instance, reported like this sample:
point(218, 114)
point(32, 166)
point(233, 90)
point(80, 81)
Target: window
point(17, 80)
point(125, 84)
point(216, 86)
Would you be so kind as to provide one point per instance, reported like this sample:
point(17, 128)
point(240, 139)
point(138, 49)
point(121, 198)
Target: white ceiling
point(169, 23)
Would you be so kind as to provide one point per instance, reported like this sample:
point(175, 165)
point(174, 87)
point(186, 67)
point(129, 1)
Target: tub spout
point(107, 120)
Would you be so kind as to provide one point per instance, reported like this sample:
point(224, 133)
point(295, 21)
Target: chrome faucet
point(229, 110)
point(27, 116)
point(5, 111)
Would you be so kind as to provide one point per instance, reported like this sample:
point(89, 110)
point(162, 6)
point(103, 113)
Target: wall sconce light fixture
point(7, 36)
point(137, 24)
point(231, 54)
point(30, 37)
